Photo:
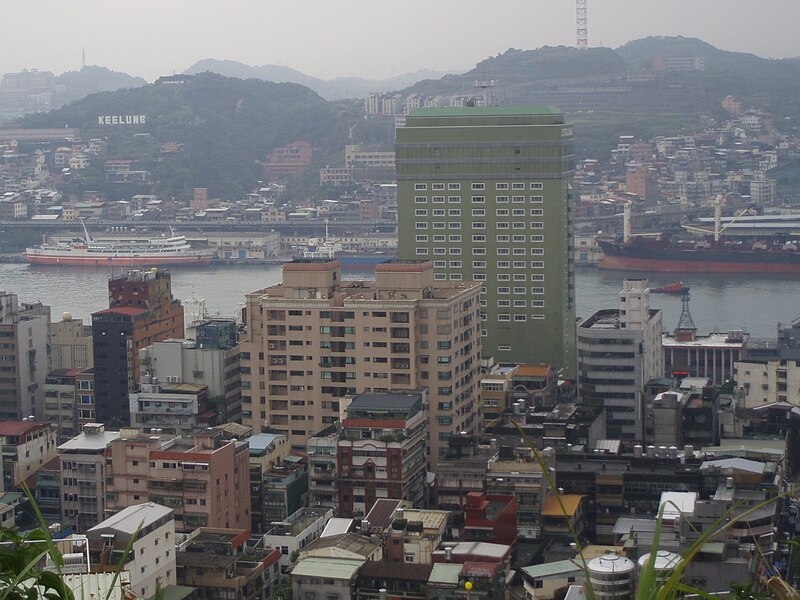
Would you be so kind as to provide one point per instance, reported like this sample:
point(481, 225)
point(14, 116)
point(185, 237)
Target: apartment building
point(381, 451)
point(486, 193)
point(141, 311)
point(620, 350)
point(314, 341)
point(70, 344)
point(204, 479)
point(151, 560)
point(60, 402)
point(83, 476)
point(26, 447)
point(24, 361)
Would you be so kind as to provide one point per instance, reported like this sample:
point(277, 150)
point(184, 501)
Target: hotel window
point(438, 199)
point(454, 186)
point(439, 238)
point(478, 239)
point(503, 277)
point(454, 212)
point(537, 277)
point(517, 199)
point(421, 212)
point(537, 316)
point(519, 224)
point(502, 239)
point(503, 317)
point(537, 303)
point(537, 199)
point(502, 225)
point(537, 212)
point(479, 251)
point(537, 251)
point(478, 199)
point(422, 238)
point(504, 348)
point(478, 212)
point(518, 212)
point(519, 290)
point(537, 225)
point(421, 251)
point(439, 264)
point(518, 186)
point(537, 264)
point(478, 225)
point(537, 290)
point(437, 186)
point(519, 251)
point(439, 251)
point(502, 212)
point(520, 318)
point(455, 250)
point(504, 304)
point(455, 276)
point(455, 225)
point(520, 277)
point(518, 239)
point(421, 187)
point(519, 303)
point(501, 186)
point(438, 212)
point(536, 239)
point(439, 276)
point(421, 199)
point(478, 264)
point(455, 264)
point(479, 276)
point(503, 251)
point(504, 290)
point(503, 264)
point(438, 225)
point(454, 199)
point(478, 186)
point(519, 264)
point(537, 185)
point(455, 238)
point(501, 200)
point(421, 225)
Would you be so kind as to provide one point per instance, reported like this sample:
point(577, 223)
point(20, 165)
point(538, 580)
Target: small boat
point(676, 287)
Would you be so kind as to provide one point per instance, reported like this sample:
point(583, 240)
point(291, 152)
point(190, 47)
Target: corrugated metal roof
point(447, 573)
point(333, 568)
point(552, 569)
point(570, 503)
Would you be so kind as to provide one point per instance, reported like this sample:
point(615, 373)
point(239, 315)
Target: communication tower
point(487, 87)
point(582, 24)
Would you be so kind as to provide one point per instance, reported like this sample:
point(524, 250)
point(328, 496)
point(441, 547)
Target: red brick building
point(490, 518)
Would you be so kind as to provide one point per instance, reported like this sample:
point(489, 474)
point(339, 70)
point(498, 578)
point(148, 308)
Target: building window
point(421, 199)
point(455, 250)
point(438, 225)
point(519, 225)
point(519, 264)
point(537, 239)
point(503, 303)
point(438, 199)
point(438, 212)
point(456, 238)
point(439, 276)
point(519, 251)
point(503, 317)
point(503, 252)
point(537, 185)
point(440, 251)
point(454, 212)
point(478, 212)
point(421, 212)
point(517, 186)
point(504, 290)
point(478, 225)
point(502, 212)
point(537, 303)
point(537, 277)
point(455, 224)
point(501, 186)
point(519, 290)
point(453, 187)
point(422, 251)
point(520, 318)
point(537, 212)
point(421, 187)
point(537, 199)
point(421, 225)
point(439, 238)
point(422, 238)
point(503, 264)
point(437, 186)
point(455, 276)
point(478, 186)
point(503, 277)
point(479, 276)
point(537, 251)
point(478, 264)
point(439, 264)
point(518, 212)
point(518, 199)
point(479, 251)
point(537, 290)
point(502, 225)
point(501, 200)
point(455, 264)
point(537, 264)
point(454, 199)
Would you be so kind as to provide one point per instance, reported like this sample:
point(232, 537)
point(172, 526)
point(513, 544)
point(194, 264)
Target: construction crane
point(581, 24)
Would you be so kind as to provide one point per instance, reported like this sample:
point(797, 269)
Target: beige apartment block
point(206, 480)
point(315, 341)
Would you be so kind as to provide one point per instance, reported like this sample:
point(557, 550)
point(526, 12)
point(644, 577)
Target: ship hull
point(666, 259)
point(116, 261)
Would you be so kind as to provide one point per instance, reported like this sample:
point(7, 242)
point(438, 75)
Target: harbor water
point(719, 302)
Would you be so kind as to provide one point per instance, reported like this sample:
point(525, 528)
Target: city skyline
point(159, 39)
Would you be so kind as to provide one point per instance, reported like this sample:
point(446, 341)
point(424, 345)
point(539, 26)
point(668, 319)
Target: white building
point(151, 562)
point(619, 350)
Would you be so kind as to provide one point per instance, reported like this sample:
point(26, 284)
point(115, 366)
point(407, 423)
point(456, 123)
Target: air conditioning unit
point(271, 346)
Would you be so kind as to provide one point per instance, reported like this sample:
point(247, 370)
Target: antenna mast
point(581, 24)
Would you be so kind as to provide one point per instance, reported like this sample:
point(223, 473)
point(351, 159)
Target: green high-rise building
point(485, 193)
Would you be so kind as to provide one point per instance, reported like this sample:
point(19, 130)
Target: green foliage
point(283, 590)
point(226, 128)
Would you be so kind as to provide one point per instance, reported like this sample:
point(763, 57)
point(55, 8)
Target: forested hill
point(224, 126)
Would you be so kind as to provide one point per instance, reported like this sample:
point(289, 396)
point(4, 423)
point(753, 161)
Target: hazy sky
point(375, 38)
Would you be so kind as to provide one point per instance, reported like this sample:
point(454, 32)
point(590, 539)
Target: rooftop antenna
point(581, 24)
point(686, 328)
